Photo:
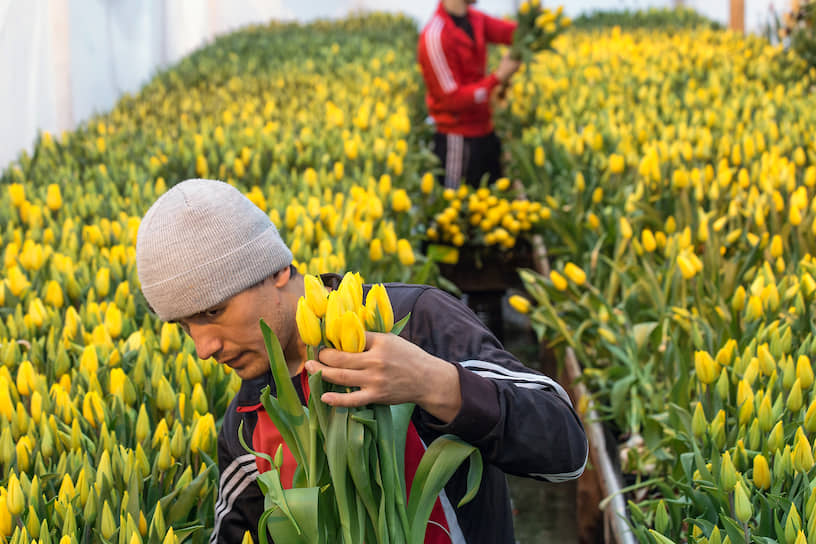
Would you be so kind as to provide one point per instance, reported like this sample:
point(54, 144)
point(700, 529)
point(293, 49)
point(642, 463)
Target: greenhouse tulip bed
point(670, 171)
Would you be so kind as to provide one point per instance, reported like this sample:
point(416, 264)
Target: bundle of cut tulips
point(349, 484)
point(537, 29)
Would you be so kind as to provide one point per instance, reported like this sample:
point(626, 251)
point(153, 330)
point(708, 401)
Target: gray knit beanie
point(201, 243)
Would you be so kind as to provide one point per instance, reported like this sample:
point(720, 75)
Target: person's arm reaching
point(442, 82)
point(499, 30)
point(522, 421)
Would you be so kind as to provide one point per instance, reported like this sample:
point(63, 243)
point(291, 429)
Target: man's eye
point(215, 312)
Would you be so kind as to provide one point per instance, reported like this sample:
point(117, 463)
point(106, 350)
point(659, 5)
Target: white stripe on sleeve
point(433, 44)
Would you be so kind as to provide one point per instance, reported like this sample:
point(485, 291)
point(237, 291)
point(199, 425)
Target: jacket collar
point(456, 32)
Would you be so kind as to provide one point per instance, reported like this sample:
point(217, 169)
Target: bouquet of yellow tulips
point(349, 485)
point(538, 27)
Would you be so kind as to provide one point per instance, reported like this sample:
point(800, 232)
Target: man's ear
point(282, 277)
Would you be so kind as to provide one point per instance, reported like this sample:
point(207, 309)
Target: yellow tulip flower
point(352, 333)
point(742, 504)
point(559, 282)
point(575, 273)
point(308, 323)
point(405, 252)
point(520, 304)
point(53, 197)
point(705, 366)
point(316, 295)
point(380, 312)
point(762, 474)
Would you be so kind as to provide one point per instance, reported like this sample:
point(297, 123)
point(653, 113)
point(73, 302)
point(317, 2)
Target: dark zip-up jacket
point(522, 422)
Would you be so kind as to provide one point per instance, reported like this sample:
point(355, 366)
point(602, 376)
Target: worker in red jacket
point(453, 57)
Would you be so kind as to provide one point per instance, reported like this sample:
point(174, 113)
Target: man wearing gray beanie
point(213, 262)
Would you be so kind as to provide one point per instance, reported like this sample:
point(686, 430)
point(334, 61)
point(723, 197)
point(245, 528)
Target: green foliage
point(652, 18)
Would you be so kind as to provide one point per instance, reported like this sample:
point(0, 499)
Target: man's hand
point(507, 67)
point(391, 370)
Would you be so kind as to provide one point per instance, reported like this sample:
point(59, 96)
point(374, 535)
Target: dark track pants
point(468, 158)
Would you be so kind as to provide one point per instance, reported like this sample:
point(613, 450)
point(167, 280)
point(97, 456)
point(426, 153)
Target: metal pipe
point(615, 513)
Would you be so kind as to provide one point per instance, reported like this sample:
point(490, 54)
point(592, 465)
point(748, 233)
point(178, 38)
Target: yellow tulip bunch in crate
point(349, 484)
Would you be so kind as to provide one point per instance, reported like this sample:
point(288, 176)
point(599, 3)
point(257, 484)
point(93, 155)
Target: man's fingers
point(347, 400)
point(338, 376)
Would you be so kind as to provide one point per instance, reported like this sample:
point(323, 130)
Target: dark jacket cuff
point(480, 410)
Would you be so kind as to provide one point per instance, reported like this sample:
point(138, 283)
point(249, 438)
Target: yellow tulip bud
point(308, 324)
point(102, 282)
point(66, 491)
point(170, 339)
point(559, 282)
point(520, 304)
point(165, 396)
point(762, 474)
point(17, 194)
point(53, 294)
point(405, 252)
point(575, 273)
point(754, 309)
point(648, 241)
point(352, 333)
point(92, 408)
point(686, 267)
point(107, 525)
point(802, 458)
point(375, 250)
point(198, 399)
point(16, 281)
point(776, 438)
point(616, 163)
point(728, 474)
point(142, 425)
point(316, 294)
point(400, 202)
point(804, 372)
point(164, 460)
point(89, 360)
point(538, 156)
point(793, 524)
point(742, 504)
point(810, 417)
point(6, 521)
point(427, 183)
point(625, 228)
point(15, 499)
point(706, 367)
point(794, 402)
point(203, 435)
point(767, 364)
point(170, 537)
point(53, 197)
point(379, 306)
point(765, 415)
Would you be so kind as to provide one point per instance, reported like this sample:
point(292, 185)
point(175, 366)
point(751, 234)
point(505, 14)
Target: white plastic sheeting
point(64, 60)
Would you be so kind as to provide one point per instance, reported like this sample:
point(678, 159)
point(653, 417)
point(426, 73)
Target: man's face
point(230, 332)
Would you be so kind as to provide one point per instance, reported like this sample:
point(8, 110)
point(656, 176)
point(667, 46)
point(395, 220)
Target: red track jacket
point(454, 66)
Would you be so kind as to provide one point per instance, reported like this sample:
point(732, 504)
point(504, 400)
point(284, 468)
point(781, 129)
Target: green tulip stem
point(311, 355)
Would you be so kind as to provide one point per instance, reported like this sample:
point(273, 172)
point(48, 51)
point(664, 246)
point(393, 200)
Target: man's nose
point(207, 342)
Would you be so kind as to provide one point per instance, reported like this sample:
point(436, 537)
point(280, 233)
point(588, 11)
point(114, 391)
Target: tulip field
point(670, 171)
